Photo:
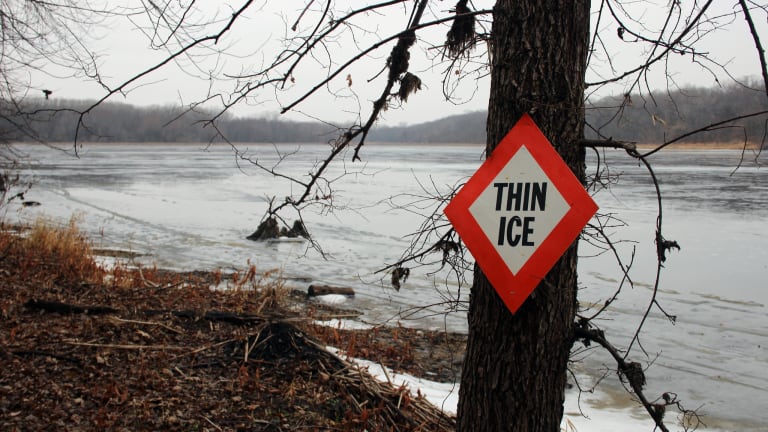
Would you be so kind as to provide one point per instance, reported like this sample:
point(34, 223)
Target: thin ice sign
point(520, 211)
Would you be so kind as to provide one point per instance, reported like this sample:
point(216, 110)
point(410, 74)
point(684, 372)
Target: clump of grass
point(121, 275)
point(263, 288)
point(62, 251)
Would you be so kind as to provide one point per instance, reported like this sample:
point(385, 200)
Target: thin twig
point(128, 347)
point(127, 321)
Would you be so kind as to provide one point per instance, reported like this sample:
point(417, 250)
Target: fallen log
point(66, 308)
point(321, 290)
point(211, 315)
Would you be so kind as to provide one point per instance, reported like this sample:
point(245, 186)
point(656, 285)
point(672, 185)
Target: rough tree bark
point(514, 373)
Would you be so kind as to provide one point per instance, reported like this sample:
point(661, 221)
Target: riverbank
point(752, 147)
point(90, 348)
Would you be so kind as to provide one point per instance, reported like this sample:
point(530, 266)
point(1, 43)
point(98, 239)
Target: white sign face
point(519, 209)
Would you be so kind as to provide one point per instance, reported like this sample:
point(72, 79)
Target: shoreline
point(704, 146)
point(149, 349)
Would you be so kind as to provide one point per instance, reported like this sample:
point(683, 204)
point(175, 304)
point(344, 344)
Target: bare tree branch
point(756, 39)
point(667, 49)
point(706, 128)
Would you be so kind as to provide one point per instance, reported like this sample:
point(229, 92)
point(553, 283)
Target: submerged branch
point(631, 371)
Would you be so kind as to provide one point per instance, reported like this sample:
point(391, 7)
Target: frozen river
point(187, 207)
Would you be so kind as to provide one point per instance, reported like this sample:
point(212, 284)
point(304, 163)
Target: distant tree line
point(661, 116)
point(55, 120)
point(648, 118)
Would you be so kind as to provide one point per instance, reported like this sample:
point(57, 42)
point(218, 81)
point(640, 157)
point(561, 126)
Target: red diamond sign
point(520, 211)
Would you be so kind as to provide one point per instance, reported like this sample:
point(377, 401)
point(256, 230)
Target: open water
point(189, 207)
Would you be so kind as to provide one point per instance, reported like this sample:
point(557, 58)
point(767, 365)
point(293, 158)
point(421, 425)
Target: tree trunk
point(514, 373)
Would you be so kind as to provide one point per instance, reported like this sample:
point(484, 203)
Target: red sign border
point(515, 289)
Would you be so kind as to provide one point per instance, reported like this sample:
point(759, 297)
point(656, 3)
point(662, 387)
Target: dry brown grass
point(65, 257)
point(61, 253)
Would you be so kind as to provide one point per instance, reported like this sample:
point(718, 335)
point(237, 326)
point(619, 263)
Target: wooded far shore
point(648, 118)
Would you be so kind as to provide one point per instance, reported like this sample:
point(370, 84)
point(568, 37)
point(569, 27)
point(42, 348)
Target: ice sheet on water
point(192, 210)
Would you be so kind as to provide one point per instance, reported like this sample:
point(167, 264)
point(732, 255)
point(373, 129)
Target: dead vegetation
point(84, 348)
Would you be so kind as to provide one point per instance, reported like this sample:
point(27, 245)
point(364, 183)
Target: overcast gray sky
point(256, 38)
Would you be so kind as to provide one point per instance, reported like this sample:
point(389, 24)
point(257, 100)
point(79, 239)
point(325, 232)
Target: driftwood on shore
point(320, 290)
